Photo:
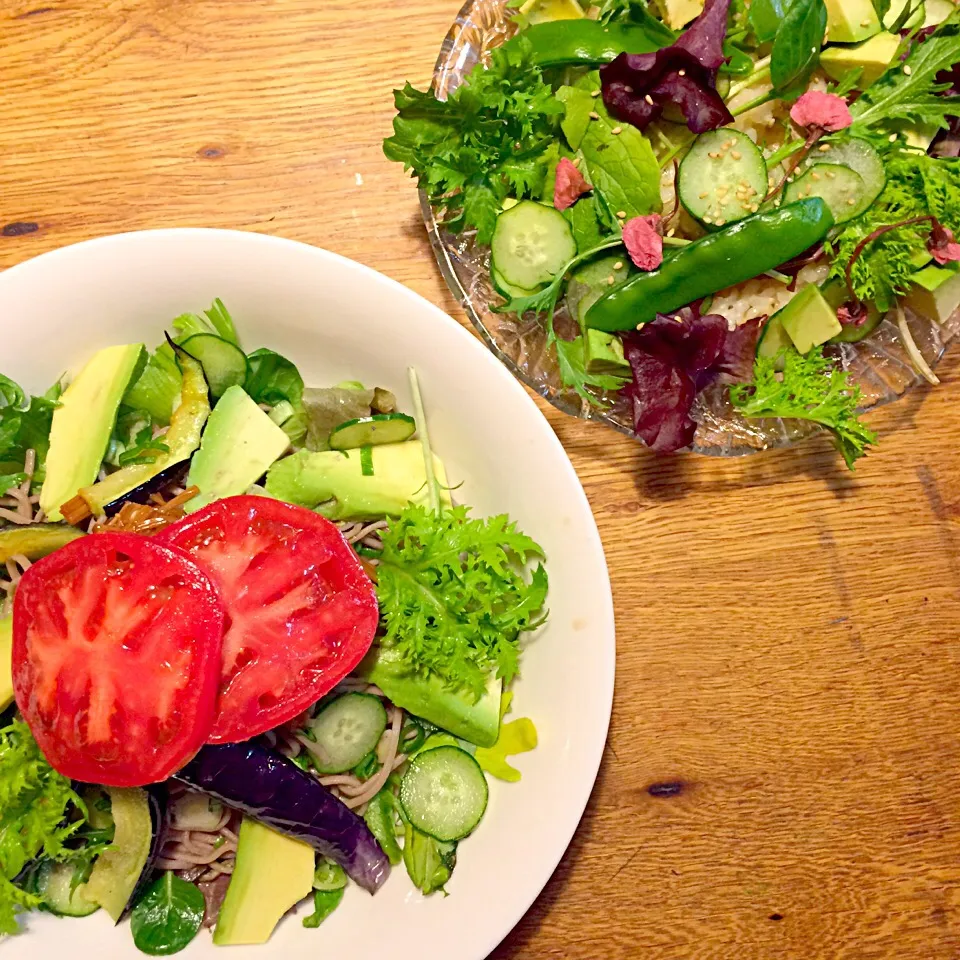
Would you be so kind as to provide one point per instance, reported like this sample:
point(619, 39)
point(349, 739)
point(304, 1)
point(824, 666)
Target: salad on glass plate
point(251, 651)
point(720, 226)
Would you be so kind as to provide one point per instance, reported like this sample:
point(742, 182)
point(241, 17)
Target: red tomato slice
point(116, 648)
point(301, 613)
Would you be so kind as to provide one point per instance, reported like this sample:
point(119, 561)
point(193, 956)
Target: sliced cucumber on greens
point(531, 244)
point(840, 188)
point(444, 793)
point(723, 178)
point(224, 364)
point(54, 884)
point(370, 431)
point(862, 159)
point(345, 731)
point(509, 290)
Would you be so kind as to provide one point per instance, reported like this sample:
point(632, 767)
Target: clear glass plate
point(879, 365)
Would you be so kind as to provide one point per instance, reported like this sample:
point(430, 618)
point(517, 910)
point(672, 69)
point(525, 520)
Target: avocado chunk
point(936, 11)
point(872, 57)
point(604, 354)
point(430, 698)
point(773, 339)
point(82, 424)
point(239, 443)
point(35, 540)
point(678, 13)
point(850, 21)
point(273, 873)
point(362, 484)
point(935, 292)
point(542, 11)
point(808, 319)
point(6, 662)
point(116, 872)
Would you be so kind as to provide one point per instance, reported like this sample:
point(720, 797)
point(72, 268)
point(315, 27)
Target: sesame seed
point(789, 179)
point(678, 318)
point(671, 231)
point(628, 89)
point(892, 138)
point(736, 154)
point(594, 93)
point(907, 69)
point(649, 99)
point(707, 220)
point(851, 202)
point(594, 115)
point(703, 196)
point(616, 131)
point(770, 181)
point(824, 147)
point(611, 280)
point(714, 155)
point(682, 73)
point(815, 176)
point(754, 208)
point(576, 161)
point(864, 23)
point(622, 214)
point(831, 175)
point(618, 265)
point(639, 326)
point(720, 223)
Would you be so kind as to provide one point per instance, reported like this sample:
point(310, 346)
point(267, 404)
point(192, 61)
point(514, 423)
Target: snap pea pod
point(587, 43)
point(743, 250)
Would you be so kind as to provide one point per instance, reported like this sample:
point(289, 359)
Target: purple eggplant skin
point(172, 476)
point(157, 799)
point(268, 787)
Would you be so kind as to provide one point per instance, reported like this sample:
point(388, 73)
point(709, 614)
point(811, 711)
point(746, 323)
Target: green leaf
point(812, 388)
point(273, 378)
point(168, 916)
point(578, 105)
point(621, 167)
point(11, 394)
point(481, 207)
point(381, 817)
point(909, 90)
point(766, 16)
point(39, 814)
point(584, 220)
point(796, 49)
point(324, 903)
point(429, 862)
point(455, 595)
point(570, 354)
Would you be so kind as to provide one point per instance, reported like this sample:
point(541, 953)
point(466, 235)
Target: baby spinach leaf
point(765, 17)
point(578, 105)
point(799, 38)
point(168, 917)
point(273, 378)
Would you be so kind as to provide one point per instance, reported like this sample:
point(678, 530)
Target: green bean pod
point(741, 251)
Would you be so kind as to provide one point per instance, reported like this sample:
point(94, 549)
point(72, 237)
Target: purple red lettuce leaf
point(637, 87)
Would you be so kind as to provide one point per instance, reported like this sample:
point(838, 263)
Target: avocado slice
point(337, 485)
point(6, 662)
point(604, 354)
point(430, 698)
point(872, 57)
point(850, 21)
point(82, 424)
point(935, 292)
point(678, 13)
point(808, 319)
point(35, 540)
point(239, 443)
point(273, 873)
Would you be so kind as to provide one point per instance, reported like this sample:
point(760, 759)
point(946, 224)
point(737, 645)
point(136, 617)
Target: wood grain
point(781, 774)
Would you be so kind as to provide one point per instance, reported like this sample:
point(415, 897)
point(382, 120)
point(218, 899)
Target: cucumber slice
point(861, 158)
point(370, 431)
point(840, 188)
point(723, 177)
point(508, 289)
point(53, 882)
point(773, 339)
point(531, 244)
point(346, 730)
point(224, 364)
point(444, 793)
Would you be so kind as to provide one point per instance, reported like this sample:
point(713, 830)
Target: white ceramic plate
point(339, 320)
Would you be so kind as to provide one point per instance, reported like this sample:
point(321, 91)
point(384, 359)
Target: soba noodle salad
point(251, 651)
point(703, 205)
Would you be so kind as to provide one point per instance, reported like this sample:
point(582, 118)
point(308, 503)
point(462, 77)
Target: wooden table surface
point(781, 777)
